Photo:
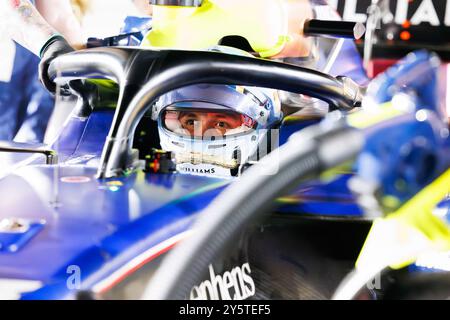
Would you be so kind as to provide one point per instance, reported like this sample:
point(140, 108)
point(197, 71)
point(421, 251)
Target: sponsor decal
point(113, 186)
point(198, 170)
point(434, 13)
point(114, 183)
point(79, 179)
point(236, 284)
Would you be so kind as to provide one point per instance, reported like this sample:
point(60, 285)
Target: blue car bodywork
point(107, 229)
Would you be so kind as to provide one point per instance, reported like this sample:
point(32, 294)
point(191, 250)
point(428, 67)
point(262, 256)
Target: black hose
point(303, 157)
point(334, 28)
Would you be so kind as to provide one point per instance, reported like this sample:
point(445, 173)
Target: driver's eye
point(221, 124)
point(190, 122)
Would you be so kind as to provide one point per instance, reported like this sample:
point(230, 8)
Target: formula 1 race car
point(93, 214)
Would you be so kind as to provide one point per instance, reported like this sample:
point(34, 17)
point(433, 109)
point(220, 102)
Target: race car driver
point(216, 130)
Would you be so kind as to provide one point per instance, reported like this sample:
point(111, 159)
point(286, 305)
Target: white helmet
point(214, 129)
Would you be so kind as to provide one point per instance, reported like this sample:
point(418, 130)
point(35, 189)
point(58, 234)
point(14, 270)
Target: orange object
point(405, 35)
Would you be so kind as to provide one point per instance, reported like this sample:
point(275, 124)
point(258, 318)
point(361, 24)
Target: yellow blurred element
point(399, 239)
point(80, 8)
point(268, 25)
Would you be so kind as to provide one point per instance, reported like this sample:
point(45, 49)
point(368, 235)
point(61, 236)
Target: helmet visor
point(206, 123)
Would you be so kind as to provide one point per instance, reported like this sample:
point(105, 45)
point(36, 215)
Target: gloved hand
point(54, 48)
